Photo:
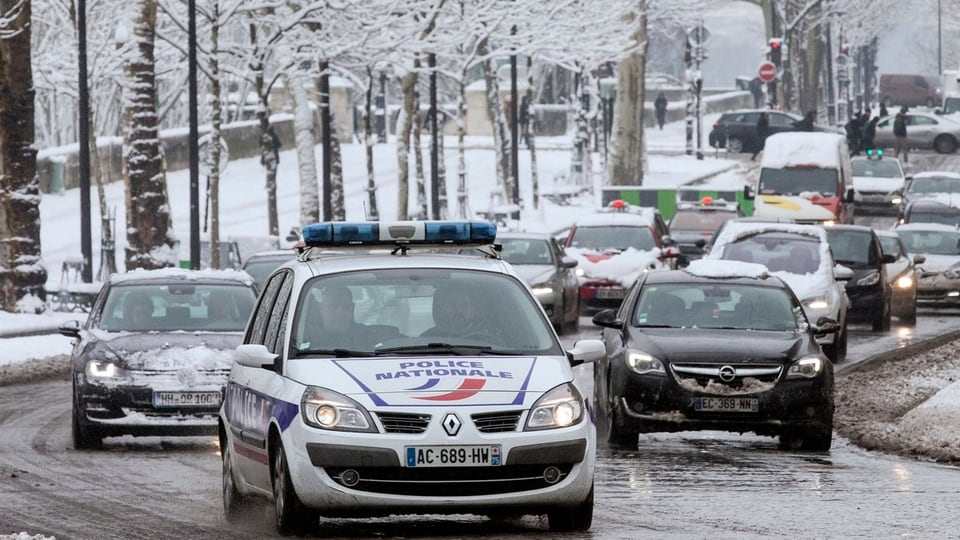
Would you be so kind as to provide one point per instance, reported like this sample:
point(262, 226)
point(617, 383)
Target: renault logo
point(727, 373)
point(451, 424)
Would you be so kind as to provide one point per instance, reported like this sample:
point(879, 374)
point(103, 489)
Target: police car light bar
point(392, 233)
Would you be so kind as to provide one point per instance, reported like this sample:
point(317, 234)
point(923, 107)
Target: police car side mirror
point(255, 355)
point(586, 350)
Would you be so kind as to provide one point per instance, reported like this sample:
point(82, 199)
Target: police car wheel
point(578, 518)
point(233, 502)
point(292, 518)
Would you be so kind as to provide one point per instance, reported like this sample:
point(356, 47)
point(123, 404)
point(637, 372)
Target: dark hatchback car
point(153, 356)
point(858, 248)
point(930, 211)
point(694, 225)
point(720, 345)
point(903, 274)
point(737, 130)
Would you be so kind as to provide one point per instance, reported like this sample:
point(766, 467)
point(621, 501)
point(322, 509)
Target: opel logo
point(451, 424)
point(728, 373)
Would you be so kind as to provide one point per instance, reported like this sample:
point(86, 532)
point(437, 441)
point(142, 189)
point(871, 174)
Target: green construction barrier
point(666, 200)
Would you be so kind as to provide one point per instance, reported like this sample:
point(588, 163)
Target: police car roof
point(354, 260)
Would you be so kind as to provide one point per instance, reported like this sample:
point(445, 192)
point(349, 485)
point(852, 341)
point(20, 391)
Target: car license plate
point(453, 456)
point(611, 293)
point(186, 399)
point(726, 404)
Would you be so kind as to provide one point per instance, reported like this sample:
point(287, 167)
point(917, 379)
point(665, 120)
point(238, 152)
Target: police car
point(694, 223)
point(377, 378)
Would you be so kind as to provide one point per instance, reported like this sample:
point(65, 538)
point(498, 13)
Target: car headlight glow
point(805, 368)
point(817, 302)
point(580, 272)
point(870, 279)
point(104, 369)
point(326, 409)
point(542, 290)
point(896, 200)
point(560, 407)
point(904, 282)
point(644, 364)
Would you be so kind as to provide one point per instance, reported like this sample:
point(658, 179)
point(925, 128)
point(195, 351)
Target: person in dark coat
point(869, 133)
point(853, 131)
point(756, 90)
point(807, 123)
point(524, 119)
point(900, 134)
point(883, 111)
point(660, 105)
point(763, 130)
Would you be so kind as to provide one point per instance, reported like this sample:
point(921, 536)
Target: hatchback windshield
point(931, 242)
point(934, 184)
point(852, 247)
point(794, 181)
point(420, 311)
point(716, 305)
point(180, 306)
point(796, 254)
point(613, 237)
point(876, 168)
point(526, 251)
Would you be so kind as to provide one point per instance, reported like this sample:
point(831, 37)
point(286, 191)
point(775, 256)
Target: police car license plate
point(186, 399)
point(453, 456)
point(726, 404)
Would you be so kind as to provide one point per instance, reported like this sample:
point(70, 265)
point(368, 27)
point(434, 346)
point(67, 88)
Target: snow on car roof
point(642, 218)
point(140, 274)
point(794, 148)
point(726, 269)
point(937, 174)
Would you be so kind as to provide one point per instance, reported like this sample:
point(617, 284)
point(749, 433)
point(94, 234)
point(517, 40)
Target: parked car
point(737, 130)
point(939, 186)
point(939, 284)
point(693, 224)
point(386, 380)
point(910, 89)
point(260, 264)
point(613, 247)
point(801, 256)
point(924, 130)
point(153, 356)
point(719, 345)
point(878, 183)
point(903, 274)
point(550, 273)
point(858, 248)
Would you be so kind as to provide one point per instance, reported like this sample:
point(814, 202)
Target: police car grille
point(496, 422)
point(450, 481)
point(404, 422)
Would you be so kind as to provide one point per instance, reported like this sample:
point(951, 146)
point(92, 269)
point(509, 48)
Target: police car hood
point(438, 380)
point(164, 350)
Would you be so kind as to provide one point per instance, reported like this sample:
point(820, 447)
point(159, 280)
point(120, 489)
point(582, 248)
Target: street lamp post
point(194, 136)
point(86, 243)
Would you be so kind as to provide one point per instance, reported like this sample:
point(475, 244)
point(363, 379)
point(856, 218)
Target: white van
point(807, 177)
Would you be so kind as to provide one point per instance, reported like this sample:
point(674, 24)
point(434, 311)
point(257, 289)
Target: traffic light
point(776, 46)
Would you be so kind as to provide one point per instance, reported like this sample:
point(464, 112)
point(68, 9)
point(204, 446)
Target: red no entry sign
point(767, 71)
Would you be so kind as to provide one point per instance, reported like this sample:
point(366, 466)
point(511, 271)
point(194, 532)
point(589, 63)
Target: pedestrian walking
point(660, 104)
point(763, 130)
point(869, 134)
point(854, 132)
point(900, 134)
point(807, 123)
point(525, 121)
point(883, 110)
point(756, 90)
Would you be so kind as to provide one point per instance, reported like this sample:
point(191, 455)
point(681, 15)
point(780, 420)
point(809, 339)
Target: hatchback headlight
point(805, 368)
point(326, 409)
point(542, 289)
point(817, 302)
point(559, 408)
point(104, 370)
point(642, 363)
point(904, 282)
point(870, 279)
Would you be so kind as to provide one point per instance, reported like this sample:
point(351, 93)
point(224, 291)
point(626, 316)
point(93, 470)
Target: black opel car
point(153, 356)
point(719, 345)
point(858, 248)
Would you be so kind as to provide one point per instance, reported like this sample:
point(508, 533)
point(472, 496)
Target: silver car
point(924, 130)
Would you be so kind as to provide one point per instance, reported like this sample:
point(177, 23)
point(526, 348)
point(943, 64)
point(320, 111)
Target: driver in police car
point(338, 329)
point(455, 313)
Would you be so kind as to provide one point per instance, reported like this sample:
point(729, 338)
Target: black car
point(858, 248)
point(693, 225)
point(737, 130)
point(153, 356)
point(930, 211)
point(719, 345)
point(260, 264)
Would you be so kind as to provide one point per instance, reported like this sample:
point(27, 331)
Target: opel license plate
point(186, 399)
point(611, 293)
point(726, 404)
point(453, 456)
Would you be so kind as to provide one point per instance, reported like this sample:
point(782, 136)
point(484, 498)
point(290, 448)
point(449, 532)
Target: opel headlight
point(817, 302)
point(542, 289)
point(805, 368)
point(104, 370)
point(326, 409)
point(904, 282)
point(560, 407)
point(642, 363)
point(870, 279)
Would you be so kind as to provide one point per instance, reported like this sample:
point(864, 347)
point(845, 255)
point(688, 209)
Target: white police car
point(395, 381)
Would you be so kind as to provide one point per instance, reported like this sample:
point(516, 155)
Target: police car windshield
point(613, 237)
point(406, 309)
point(876, 168)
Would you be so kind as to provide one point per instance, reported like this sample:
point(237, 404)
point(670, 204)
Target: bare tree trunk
point(498, 120)
point(149, 239)
point(463, 200)
point(368, 139)
point(303, 126)
point(266, 140)
point(336, 174)
point(213, 172)
point(627, 157)
point(408, 84)
point(422, 211)
point(22, 276)
point(531, 128)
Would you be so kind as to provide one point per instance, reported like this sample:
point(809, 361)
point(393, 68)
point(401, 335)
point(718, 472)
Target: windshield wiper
point(656, 326)
point(339, 353)
point(434, 348)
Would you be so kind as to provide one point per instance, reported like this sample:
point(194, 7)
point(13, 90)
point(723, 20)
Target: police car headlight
point(558, 408)
point(817, 302)
point(104, 370)
point(644, 364)
point(326, 409)
point(870, 279)
point(805, 368)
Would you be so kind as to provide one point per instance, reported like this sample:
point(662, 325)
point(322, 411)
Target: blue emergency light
point(392, 233)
